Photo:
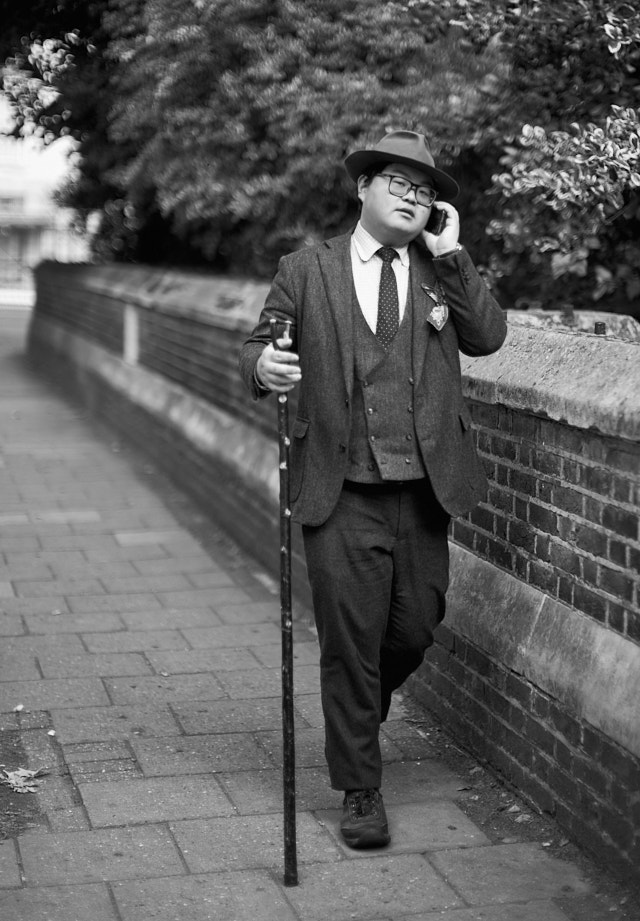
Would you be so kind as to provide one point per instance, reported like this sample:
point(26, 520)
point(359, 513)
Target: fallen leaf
point(22, 780)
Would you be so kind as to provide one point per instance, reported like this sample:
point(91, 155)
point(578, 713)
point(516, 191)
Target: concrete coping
point(586, 380)
point(582, 379)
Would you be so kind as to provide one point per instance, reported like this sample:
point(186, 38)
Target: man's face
point(391, 220)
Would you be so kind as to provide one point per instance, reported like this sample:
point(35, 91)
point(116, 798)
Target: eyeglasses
point(400, 187)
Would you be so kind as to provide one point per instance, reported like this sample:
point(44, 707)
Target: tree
point(567, 198)
point(245, 130)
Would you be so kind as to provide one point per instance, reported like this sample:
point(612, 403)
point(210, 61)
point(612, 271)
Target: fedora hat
point(403, 147)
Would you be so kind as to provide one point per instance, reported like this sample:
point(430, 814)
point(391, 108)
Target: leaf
point(22, 780)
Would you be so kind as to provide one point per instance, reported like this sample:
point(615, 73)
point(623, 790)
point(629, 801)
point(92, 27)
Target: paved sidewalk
point(146, 664)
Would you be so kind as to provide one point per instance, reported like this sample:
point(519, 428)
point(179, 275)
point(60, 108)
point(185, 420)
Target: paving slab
point(154, 799)
point(98, 855)
point(381, 885)
point(95, 724)
point(529, 911)
point(59, 903)
point(63, 664)
point(53, 693)
point(509, 873)
point(227, 715)
point(185, 661)
point(170, 619)
point(56, 621)
point(417, 827)
point(250, 842)
point(240, 896)
point(233, 751)
point(9, 869)
point(158, 689)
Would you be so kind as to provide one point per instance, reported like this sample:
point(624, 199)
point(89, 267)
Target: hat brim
point(360, 161)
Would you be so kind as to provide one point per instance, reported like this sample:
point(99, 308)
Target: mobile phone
point(436, 222)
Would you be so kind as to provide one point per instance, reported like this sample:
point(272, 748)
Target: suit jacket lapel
point(337, 275)
point(420, 271)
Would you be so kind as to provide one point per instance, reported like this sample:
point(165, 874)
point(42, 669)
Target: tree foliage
point(245, 131)
point(214, 130)
point(568, 195)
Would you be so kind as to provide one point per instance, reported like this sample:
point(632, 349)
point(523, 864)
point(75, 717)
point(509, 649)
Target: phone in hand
point(436, 222)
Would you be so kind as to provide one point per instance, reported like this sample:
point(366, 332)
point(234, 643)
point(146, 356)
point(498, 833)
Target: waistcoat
point(383, 444)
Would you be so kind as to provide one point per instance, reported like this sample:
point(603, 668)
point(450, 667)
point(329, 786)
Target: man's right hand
point(278, 369)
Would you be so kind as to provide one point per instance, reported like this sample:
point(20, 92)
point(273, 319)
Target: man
point(382, 451)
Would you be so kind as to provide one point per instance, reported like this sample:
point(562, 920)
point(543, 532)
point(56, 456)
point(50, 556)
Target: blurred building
point(32, 227)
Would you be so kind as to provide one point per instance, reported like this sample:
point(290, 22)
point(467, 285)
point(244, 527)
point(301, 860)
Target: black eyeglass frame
point(408, 187)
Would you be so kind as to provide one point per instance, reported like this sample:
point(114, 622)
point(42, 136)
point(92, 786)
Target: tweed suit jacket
point(313, 288)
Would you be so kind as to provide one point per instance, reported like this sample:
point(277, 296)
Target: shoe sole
point(367, 838)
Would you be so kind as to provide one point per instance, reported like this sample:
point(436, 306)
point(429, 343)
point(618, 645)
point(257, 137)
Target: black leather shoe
point(364, 821)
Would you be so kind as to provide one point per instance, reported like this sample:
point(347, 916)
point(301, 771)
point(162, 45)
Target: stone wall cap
point(588, 381)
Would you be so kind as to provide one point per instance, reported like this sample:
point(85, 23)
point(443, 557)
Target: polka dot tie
point(388, 310)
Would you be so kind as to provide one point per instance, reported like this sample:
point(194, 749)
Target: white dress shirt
point(366, 273)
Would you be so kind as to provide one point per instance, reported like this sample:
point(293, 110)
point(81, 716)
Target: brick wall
point(561, 513)
point(537, 668)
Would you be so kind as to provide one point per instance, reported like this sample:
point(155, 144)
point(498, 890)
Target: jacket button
point(342, 448)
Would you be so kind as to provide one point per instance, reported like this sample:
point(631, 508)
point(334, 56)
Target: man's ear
point(363, 184)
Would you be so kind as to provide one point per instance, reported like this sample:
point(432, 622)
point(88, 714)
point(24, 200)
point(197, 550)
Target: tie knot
point(387, 254)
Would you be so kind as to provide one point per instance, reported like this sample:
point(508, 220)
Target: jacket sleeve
point(279, 305)
point(477, 316)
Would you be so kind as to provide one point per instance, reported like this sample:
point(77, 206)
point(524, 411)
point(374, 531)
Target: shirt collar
point(367, 246)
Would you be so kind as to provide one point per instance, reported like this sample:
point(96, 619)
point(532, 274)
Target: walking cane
point(288, 743)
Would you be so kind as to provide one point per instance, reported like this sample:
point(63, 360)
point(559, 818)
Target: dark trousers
point(378, 570)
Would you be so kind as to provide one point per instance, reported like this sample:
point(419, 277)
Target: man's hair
point(373, 170)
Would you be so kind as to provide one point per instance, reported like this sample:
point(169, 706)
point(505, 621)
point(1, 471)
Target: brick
point(543, 576)
point(494, 550)
point(593, 510)
point(518, 689)
point(617, 553)
point(505, 448)
point(617, 618)
point(616, 583)
point(565, 589)
point(543, 518)
point(547, 463)
point(521, 536)
point(633, 625)
point(589, 602)
point(621, 522)
point(590, 540)
point(482, 517)
point(523, 482)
